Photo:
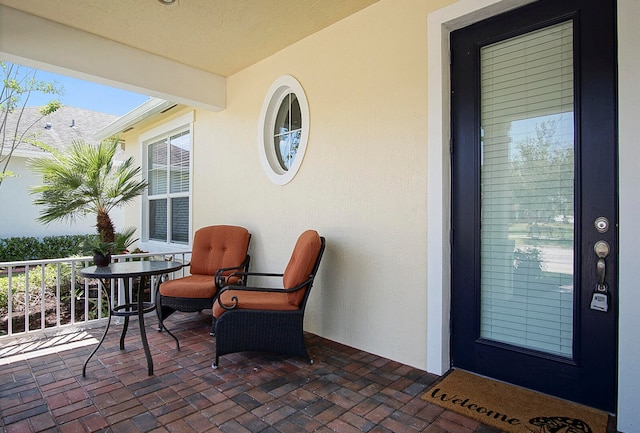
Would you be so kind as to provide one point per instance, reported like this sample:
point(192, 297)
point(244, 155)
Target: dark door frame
point(594, 366)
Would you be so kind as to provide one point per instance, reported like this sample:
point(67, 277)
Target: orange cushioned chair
point(217, 252)
point(269, 319)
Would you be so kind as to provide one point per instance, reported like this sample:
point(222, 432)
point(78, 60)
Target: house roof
point(58, 129)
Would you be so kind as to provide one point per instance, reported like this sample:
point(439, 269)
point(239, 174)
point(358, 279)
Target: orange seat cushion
point(273, 301)
point(191, 286)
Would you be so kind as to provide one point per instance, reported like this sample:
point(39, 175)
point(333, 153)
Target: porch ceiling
point(217, 36)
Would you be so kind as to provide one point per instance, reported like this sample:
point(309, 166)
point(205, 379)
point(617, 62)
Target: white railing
point(31, 291)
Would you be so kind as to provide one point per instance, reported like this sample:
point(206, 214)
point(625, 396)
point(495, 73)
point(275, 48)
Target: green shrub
point(63, 246)
point(35, 285)
point(19, 248)
point(50, 247)
point(4, 290)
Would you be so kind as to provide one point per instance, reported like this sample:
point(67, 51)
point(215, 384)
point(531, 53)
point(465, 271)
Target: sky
point(87, 95)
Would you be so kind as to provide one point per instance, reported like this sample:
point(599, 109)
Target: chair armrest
point(243, 276)
point(256, 274)
point(220, 279)
point(258, 289)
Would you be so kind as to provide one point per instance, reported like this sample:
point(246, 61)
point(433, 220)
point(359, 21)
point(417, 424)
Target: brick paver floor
point(345, 390)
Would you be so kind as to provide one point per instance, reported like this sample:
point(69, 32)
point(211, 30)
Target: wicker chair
point(217, 252)
point(269, 319)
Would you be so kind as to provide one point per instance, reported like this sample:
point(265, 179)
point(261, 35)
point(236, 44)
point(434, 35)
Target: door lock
point(602, 224)
point(602, 249)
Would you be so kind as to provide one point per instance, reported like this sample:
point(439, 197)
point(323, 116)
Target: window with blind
point(527, 174)
point(168, 194)
point(283, 130)
point(287, 131)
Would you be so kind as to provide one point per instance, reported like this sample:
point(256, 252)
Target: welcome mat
point(511, 408)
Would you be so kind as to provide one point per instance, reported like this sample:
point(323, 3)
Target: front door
point(534, 199)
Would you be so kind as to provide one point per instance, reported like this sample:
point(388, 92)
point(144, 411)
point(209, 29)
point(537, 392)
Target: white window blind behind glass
point(168, 174)
point(180, 180)
point(180, 156)
point(157, 164)
point(527, 190)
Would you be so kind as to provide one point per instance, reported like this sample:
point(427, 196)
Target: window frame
point(173, 127)
point(279, 90)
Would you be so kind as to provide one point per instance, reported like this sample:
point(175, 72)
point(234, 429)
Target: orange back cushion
point(216, 247)
point(303, 258)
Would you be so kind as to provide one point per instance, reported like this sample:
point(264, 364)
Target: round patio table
point(125, 271)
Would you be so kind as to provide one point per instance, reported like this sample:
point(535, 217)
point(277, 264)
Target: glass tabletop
point(131, 269)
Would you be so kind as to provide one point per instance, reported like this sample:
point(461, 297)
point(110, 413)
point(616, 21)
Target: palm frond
point(84, 180)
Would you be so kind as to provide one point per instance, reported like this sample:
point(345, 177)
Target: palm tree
point(86, 180)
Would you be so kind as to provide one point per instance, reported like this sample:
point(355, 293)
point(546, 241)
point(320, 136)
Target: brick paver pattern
point(345, 390)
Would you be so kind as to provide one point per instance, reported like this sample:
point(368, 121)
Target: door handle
point(600, 299)
point(601, 268)
point(602, 249)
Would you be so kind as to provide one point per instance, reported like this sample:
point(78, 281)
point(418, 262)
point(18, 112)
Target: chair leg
point(158, 310)
point(213, 327)
point(161, 317)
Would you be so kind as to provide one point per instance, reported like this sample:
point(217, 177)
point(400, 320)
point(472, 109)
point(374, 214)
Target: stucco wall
point(629, 302)
point(362, 184)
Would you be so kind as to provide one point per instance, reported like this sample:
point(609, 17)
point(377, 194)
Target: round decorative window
point(284, 130)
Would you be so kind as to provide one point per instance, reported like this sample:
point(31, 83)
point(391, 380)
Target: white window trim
point(183, 122)
point(266, 148)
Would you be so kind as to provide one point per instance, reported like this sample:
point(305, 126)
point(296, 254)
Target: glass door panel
point(527, 190)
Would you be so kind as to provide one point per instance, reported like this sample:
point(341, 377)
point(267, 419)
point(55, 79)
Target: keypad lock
point(600, 298)
point(600, 302)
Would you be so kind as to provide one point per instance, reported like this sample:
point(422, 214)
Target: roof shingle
point(61, 128)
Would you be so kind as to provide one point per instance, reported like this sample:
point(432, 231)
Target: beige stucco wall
point(629, 179)
point(362, 184)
